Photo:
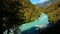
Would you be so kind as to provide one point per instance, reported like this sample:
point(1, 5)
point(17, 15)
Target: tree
point(9, 11)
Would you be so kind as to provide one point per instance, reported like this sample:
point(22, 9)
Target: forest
point(17, 12)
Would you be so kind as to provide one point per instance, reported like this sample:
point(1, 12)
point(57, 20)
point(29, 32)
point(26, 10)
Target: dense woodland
point(17, 12)
point(53, 11)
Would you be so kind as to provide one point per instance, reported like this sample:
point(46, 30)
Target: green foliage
point(53, 11)
point(9, 13)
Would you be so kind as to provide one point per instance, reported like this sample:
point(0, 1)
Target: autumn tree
point(9, 10)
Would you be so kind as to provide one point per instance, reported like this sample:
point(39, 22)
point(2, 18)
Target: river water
point(42, 21)
point(34, 26)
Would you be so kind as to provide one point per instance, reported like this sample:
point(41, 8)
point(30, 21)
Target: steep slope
point(17, 12)
point(30, 11)
point(46, 4)
point(54, 11)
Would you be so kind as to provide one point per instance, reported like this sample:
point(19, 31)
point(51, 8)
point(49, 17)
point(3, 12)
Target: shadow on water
point(54, 29)
point(42, 20)
point(31, 31)
point(30, 28)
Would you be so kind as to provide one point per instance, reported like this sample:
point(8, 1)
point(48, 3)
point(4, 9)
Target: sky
point(37, 1)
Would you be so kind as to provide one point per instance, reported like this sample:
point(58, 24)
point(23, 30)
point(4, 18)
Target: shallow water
point(42, 20)
point(34, 26)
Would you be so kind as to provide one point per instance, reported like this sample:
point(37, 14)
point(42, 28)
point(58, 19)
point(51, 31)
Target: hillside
point(46, 4)
point(30, 11)
point(53, 11)
point(17, 12)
